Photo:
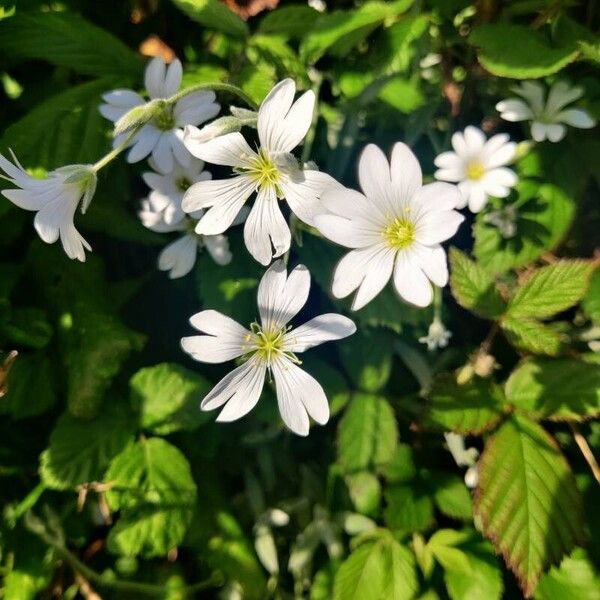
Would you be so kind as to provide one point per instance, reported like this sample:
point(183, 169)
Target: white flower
point(437, 336)
point(272, 172)
point(55, 198)
point(478, 166)
point(162, 137)
point(463, 457)
point(179, 257)
point(268, 346)
point(168, 187)
point(396, 226)
point(548, 116)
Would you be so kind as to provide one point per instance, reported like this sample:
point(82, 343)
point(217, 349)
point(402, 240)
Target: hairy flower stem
point(215, 87)
point(110, 156)
point(586, 451)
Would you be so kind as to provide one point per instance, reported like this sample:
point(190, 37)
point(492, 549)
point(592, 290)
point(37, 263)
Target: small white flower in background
point(437, 336)
point(272, 172)
point(270, 346)
point(472, 477)
point(179, 257)
point(478, 166)
point(549, 115)
point(463, 457)
point(504, 219)
point(396, 226)
point(162, 137)
point(168, 187)
point(55, 199)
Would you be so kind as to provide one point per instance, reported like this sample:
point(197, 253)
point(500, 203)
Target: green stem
point(310, 136)
point(215, 87)
point(437, 303)
point(107, 158)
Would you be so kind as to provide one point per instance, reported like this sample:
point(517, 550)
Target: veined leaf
point(470, 408)
point(519, 52)
point(292, 21)
point(367, 433)
point(527, 500)
point(591, 302)
point(80, 451)
point(409, 506)
point(560, 389)
point(365, 492)
point(67, 40)
point(551, 289)
point(213, 15)
point(379, 569)
point(152, 486)
point(473, 288)
point(533, 336)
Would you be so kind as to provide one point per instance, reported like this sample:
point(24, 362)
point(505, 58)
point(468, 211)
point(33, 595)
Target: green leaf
point(30, 387)
point(591, 302)
point(401, 466)
point(381, 569)
point(473, 288)
point(484, 578)
point(367, 433)
point(409, 507)
point(575, 579)
point(292, 21)
point(168, 398)
point(527, 501)
point(67, 40)
point(451, 496)
point(64, 129)
point(533, 336)
point(365, 492)
point(551, 289)
point(27, 327)
point(442, 545)
point(519, 52)
point(80, 451)
point(470, 408)
point(590, 52)
point(338, 32)
point(152, 486)
point(544, 215)
point(560, 389)
point(213, 15)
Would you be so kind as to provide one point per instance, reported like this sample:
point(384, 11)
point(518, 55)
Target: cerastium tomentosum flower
point(478, 166)
point(395, 226)
point(268, 346)
point(272, 172)
point(55, 199)
point(549, 116)
point(161, 133)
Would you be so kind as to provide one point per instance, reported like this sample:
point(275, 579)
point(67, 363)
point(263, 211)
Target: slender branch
point(586, 451)
point(107, 158)
point(215, 87)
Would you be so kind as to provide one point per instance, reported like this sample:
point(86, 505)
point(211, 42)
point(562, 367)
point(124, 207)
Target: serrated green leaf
point(442, 544)
point(533, 336)
point(213, 15)
point(365, 492)
point(367, 433)
point(551, 289)
point(473, 287)
point(527, 501)
point(168, 398)
point(544, 215)
point(80, 451)
point(560, 389)
point(469, 408)
point(409, 507)
point(293, 21)
point(591, 302)
point(152, 485)
point(401, 466)
point(451, 496)
point(519, 52)
point(377, 570)
point(67, 40)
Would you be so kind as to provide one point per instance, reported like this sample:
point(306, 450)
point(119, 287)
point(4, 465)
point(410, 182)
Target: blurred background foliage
point(112, 482)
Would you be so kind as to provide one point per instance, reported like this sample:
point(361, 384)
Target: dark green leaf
point(213, 15)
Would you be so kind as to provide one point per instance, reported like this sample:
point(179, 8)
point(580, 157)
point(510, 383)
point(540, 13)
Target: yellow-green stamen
point(400, 233)
point(475, 170)
point(263, 171)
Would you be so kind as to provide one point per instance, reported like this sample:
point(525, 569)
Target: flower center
point(475, 170)
point(400, 233)
point(267, 344)
point(182, 184)
point(165, 119)
point(264, 171)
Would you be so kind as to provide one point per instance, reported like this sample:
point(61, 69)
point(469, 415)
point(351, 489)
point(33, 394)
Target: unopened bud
point(140, 115)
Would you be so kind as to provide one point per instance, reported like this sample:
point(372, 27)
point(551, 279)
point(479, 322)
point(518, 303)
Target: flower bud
point(140, 115)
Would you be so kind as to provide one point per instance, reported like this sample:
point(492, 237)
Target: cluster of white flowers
point(394, 227)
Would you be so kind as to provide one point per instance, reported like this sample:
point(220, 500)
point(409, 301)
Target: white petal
point(533, 92)
point(432, 261)
point(172, 78)
point(196, 108)
point(410, 281)
point(459, 144)
point(154, 77)
point(304, 197)
point(323, 328)
point(26, 199)
point(556, 132)
point(180, 152)
point(230, 150)
point(352, 268)
point(374, 174)
point(437, 197)
point(350, 204)
point(438, 226)
point(73, 243)
point(464, 187)
point(498, 154)
point(499, 177)
point(280, 297)
point(576, 118)
point(477, 197)
point(246, 395)
point(112, 113)
point(213, 322)
point(218, 248)
point(376, 277)
point(271, 115)
point(355, 233)
point(53, 216)
point(144, 142)
point(448, 160)
point(539, 131)
point(264, 226)
point(123, 98)
point(405, 170)
point(296, 124)
point(514, 110)
point(179, 257)
point(561, 94)
point(162, 153)
point(297, 394)
point(454, 174)
point(474, 139)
